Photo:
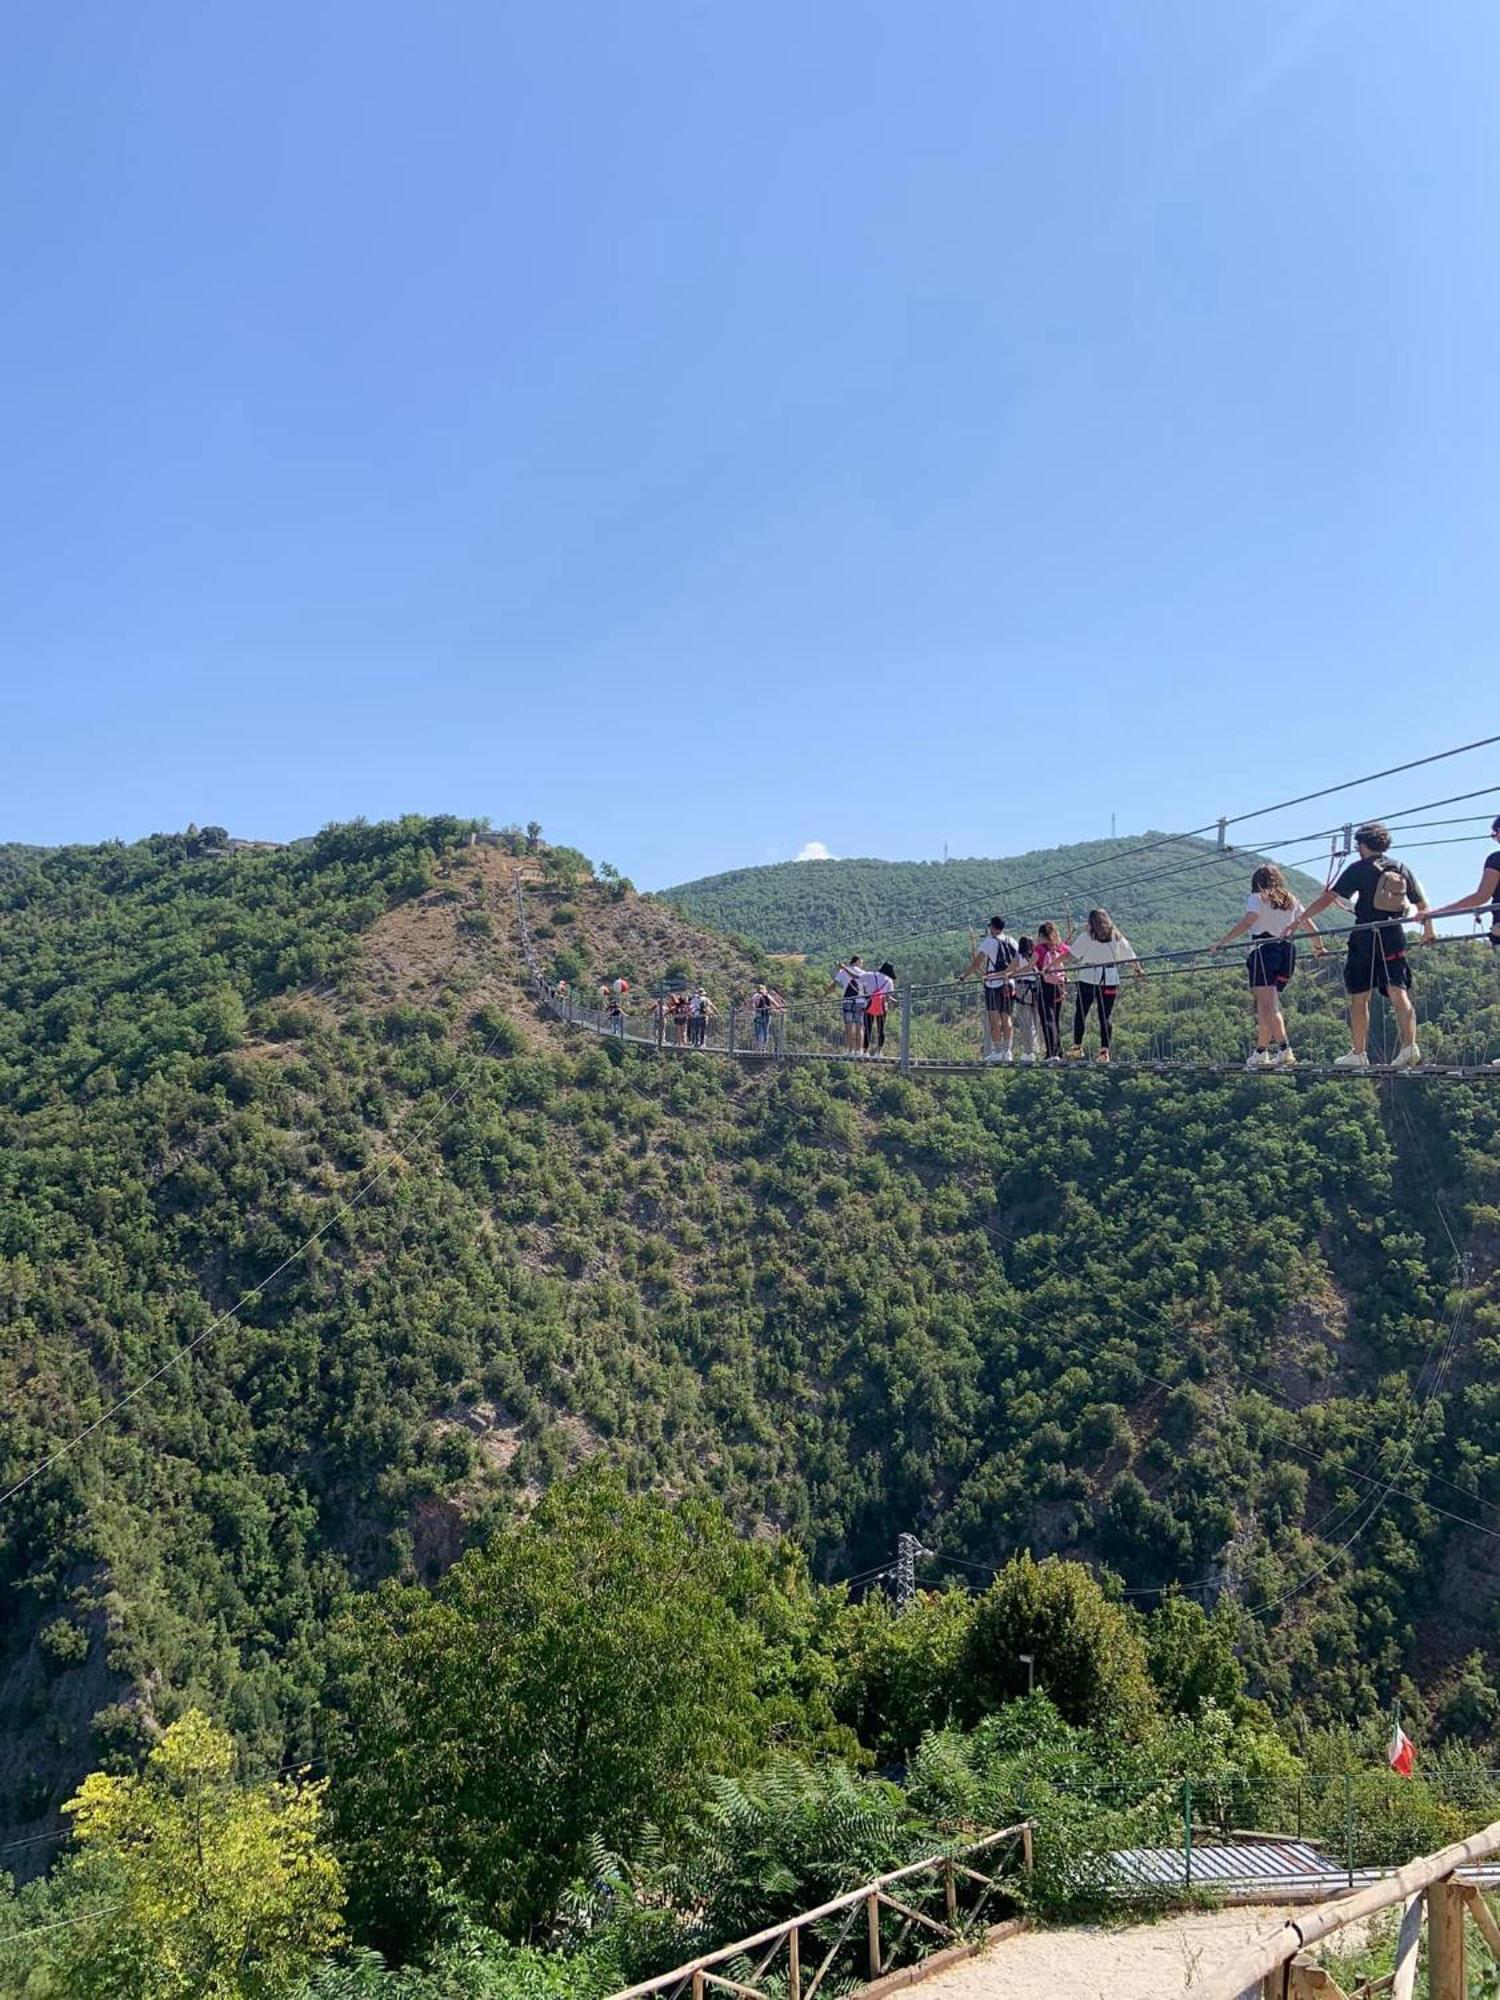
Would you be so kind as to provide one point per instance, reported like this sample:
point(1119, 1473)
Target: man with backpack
point(994, 957)
point(1381, 890)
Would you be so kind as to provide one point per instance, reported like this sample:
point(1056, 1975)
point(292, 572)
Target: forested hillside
point(1193, 1329)
point(1182, 893)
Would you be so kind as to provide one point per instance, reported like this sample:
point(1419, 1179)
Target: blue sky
point(710, 429)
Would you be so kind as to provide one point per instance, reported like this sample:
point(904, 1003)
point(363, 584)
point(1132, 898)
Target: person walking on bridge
point(701, 1010)
point(994, 959)
point(764, 1006)
point(879, 988)
point(1272, 916)
point(1380, 890)
point(1052, 957)
point(1099, 950)
point(1026, 1015)
point(849, 983)
point(1485, 901)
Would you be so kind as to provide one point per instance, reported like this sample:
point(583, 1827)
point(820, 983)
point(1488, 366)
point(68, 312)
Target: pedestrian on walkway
point(1052, 957)
point(1099, 950)
point(1027, 981)
point(881, 988)
point(1272, 916)
point(1381, 891)
point(994, 958)
point(848, 982)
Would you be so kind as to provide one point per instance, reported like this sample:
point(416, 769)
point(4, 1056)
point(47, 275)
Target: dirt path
point(1137, 1962)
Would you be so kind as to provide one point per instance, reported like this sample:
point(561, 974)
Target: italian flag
point(1401, 1755)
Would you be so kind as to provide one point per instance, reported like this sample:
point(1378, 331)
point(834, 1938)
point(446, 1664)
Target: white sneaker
point(994, 1056)
point(1260, 1059)
point(1283, 1059)
point(1006, 1056)
point(1353, 1059)
point(1409, 1058)
point(1026, 1058)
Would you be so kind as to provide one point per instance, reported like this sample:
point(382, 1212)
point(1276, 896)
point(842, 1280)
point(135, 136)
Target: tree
point(898, 1675)
point(1085, 1650)
point(1191, 1658)
point(211, 1889)
point(533, 835)
point(580, 1675)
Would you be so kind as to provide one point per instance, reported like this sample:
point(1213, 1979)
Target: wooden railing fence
point(777, 1964)
point(1283, 1967)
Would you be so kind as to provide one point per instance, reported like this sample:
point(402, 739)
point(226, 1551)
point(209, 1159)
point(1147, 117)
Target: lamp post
point(1028, 1661)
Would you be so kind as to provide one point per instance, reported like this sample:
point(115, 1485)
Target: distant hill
point(16, 858)
point(1177, 895)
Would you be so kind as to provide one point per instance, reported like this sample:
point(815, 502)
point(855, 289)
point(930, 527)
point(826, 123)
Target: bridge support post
point(729, 1028)
point(906, 1029)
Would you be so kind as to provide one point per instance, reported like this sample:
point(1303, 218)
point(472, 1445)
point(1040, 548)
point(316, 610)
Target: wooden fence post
point(1446, 1978)
point(872, 1928)
point(1026, 1856)
point(794, 1964)
point(950, 1893)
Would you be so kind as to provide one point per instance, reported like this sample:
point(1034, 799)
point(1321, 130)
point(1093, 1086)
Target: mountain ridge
point(1181, 892)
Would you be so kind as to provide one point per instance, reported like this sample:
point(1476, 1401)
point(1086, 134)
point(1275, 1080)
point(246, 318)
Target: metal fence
point(1248, 1835)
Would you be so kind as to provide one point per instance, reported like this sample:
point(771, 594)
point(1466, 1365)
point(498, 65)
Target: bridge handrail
point(695, 1969)
point(1299, 1934)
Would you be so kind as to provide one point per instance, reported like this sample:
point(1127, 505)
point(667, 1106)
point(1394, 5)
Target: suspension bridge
point(1200, 1026)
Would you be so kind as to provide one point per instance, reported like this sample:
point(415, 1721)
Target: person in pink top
point(1051, 961)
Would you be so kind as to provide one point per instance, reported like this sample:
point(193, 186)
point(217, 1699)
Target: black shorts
point(1000, 999)
point(1377, 960)
point(1272, 962)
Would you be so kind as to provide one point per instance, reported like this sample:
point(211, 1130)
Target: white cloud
point(812, 850)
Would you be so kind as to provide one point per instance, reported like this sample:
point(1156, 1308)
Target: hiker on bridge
point(1028, 1014)
point(1051, 958)
point(1272, 916)
point(1485, 901)
point(1099, 950)
point(879, 989)
point(700, 1011)
point(995, 956)
point(766, 1007)
point(849, 983)
point(1381, 891)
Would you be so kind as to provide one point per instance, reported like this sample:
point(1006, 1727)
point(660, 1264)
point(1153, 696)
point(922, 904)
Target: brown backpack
point(1391, 895)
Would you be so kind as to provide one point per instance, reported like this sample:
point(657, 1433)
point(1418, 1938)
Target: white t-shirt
point(994, 951)
point(1268, 920)
point(851, 976)
point(872, 983)
point(1096, 962)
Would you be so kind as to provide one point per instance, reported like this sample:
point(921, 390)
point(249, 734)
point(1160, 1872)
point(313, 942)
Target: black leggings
point(874, 1031)
point(1049, 1013)
point(1084, 997)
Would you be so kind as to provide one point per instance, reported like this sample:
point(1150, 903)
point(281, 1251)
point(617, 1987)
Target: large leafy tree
point(204, 1888)
point(1085, 1651)
point(577, 1677)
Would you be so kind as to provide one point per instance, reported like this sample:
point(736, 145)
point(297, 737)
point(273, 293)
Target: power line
point(1261, 812)
point(60, 1923)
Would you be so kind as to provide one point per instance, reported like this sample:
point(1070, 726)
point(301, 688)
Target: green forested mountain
point(1198, 1330)
point(1180, 894)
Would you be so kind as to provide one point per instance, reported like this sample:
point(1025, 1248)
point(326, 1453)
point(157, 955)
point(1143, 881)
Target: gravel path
point(1137, 1962)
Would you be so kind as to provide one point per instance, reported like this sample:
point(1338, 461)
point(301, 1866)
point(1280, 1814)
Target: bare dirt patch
point(1180, 1954)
